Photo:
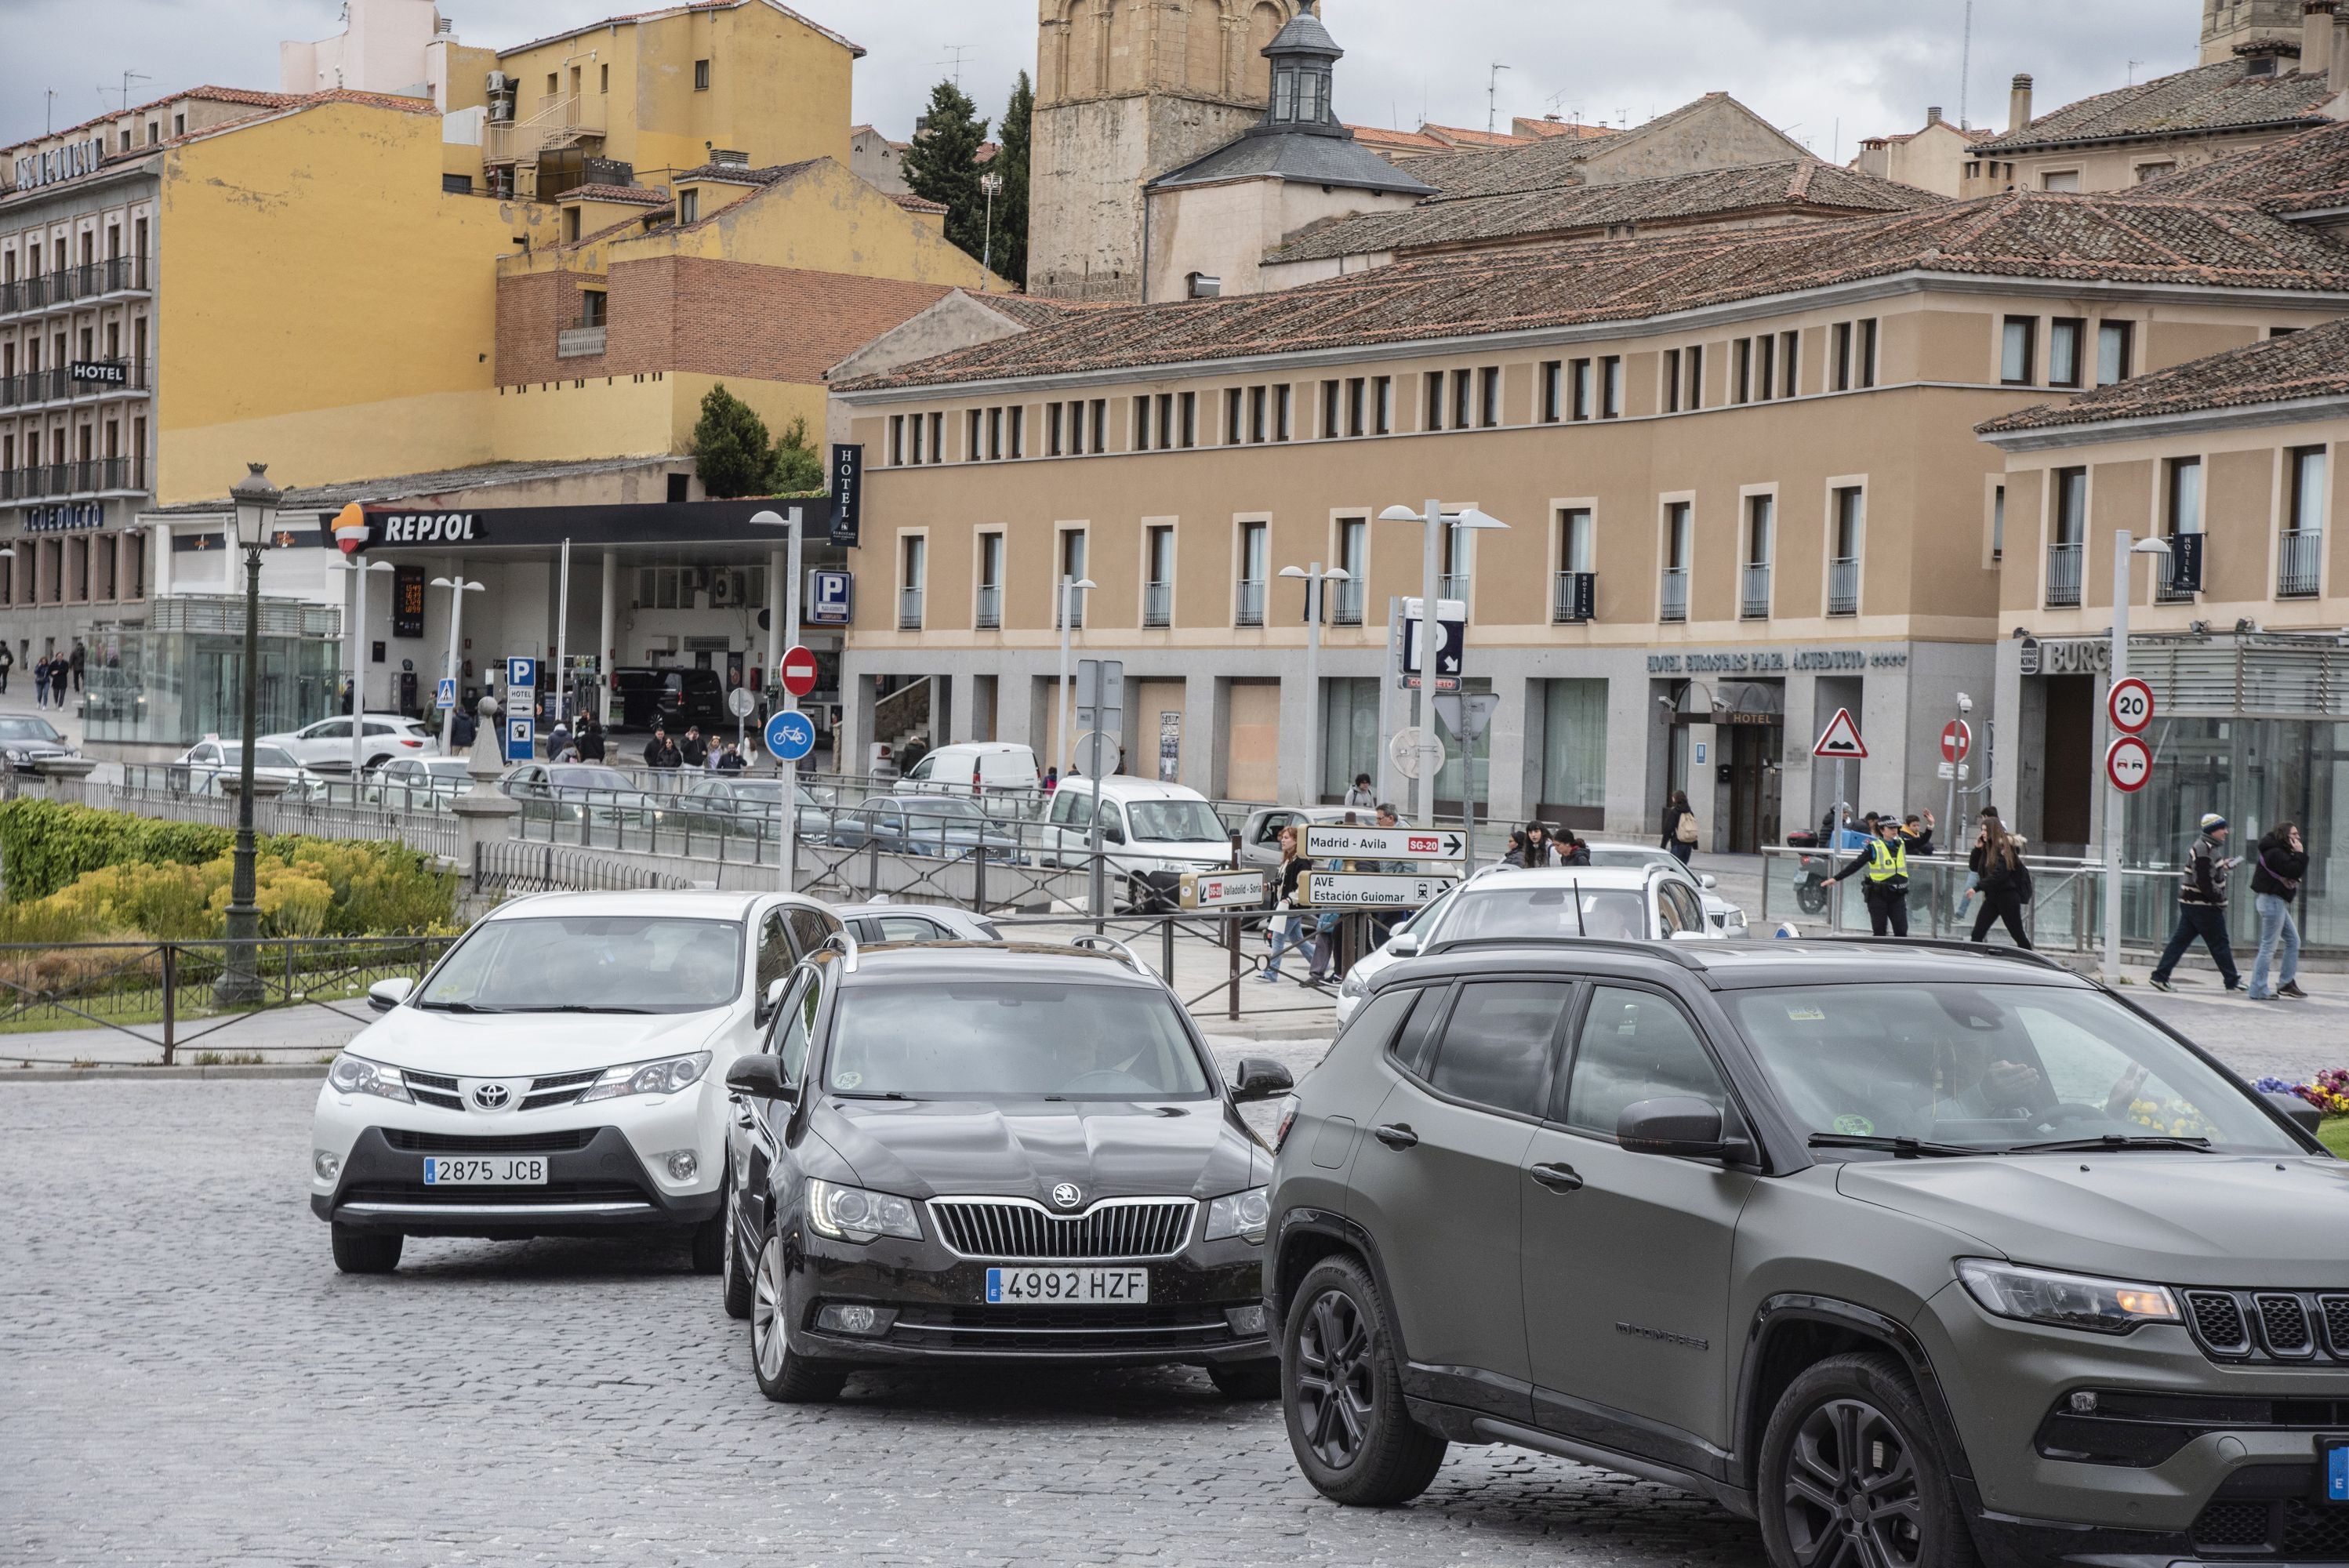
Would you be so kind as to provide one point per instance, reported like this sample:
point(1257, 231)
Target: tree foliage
point(729, 447)
point(942, 165)
point(1011, 162)
point(798, 466)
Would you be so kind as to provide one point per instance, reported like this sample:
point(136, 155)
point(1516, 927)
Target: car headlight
point(665, 1076)
point(18, 757)
point(357, 1074)
point(2064, 1300)
point(1240, 1214)
point(854, 1214)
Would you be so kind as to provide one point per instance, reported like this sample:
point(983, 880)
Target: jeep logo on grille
point(1067, 1196)
point(492, 1095)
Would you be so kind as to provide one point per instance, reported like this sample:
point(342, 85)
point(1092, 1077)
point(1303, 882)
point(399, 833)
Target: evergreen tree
point(942, 164)
point(1011, 205)
point(729, 447)
point(798, 467)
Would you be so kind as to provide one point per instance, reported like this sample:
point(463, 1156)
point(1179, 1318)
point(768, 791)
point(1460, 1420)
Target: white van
point(976, 767)
point(1151, 833)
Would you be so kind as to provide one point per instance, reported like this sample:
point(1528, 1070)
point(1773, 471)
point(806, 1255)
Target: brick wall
point(531, 311)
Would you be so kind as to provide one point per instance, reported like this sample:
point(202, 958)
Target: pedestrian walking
point(2202, 907)
point(7, 662)
point(1297, 931)
point(1516, 853)
point(41, 682)
point(2277, 871)
point(1917, 833)
point(77, 661)
point(695, 751)
point(1886, 861)
point(1361, 794)
point(1680, 826)
point(732, 759)
point(1570, 849)
point(661, 751)
point(591, 739)
point(2001, 878)
point(1051, 780)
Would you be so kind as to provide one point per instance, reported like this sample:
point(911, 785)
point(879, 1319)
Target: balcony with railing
point(1158, 604)
point(1452, 585)
point(989, 611)
point(580, 342)
point(1842, 585)
point(1672, 603)
point(81, 381)
point(1346, 604)
point(2165, 590)
point(2062, 576)
point(78, 284)
point(1070, 610)
point(1249, 611)
point(1754, 590)
point(2300, 558)
point(1573, 597)
point(87, 477)
point(560, 121)
point(909, 609)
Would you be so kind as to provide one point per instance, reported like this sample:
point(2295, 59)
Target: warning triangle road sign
point(1841, 737)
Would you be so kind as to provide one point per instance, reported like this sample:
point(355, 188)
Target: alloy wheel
point(1335, 1393)
point(767, 1335)
point(1851, 1498)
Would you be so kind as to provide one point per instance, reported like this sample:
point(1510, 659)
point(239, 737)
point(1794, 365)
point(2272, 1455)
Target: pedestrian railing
point(506, 868)
point(149, 792)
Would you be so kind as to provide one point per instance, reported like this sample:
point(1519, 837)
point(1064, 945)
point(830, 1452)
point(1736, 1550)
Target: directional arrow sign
point(1346, 843)
point(1224, 890)
point(1348, 890)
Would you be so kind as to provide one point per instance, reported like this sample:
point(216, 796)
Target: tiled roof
point(1547, 164)
point(631, 18)
point(1464, 139)
point(737, 174)
point(1798, 185)
point(1969, 133)
point(1030, 310)
point(439, 482)
point(635, 193)
point(249, 96)
point(913, 203)
point(2022, 234)
point(1574, 130)
point(2301, 364)
point(2220, 97)
point(2315, 163)
point(1396, 140)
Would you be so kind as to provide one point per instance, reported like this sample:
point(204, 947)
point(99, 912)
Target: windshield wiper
point(2113, 1140)
point(580, 1007)
point(1898, 1148)
point(457, 1007)
point(868, 1094)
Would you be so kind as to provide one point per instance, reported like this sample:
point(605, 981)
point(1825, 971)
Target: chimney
point(1933, 115)
point(2316, 38)
point(2018, 104)
point(2339, 80)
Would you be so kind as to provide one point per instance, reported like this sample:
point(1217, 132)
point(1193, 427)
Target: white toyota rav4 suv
point(560, 1071)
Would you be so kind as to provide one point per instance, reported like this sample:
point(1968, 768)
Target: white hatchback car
point(560, 1071)
point(1636, 903)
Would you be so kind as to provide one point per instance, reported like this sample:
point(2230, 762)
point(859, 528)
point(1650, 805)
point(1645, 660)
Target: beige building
point(1739, 469)
point(1931, 159)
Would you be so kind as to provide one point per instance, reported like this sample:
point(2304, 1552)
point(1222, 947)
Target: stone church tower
point(1125, 90)
point(2227, 23)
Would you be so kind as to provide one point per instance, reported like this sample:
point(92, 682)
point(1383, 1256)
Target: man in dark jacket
point(661, 751)
point(2202, 907)
point(695, 752)
point(2278, 867)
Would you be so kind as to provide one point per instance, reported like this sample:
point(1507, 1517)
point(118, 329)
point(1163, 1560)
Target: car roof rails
point(1677, 951)
point(1094, 941)
point(845, 945)
point(1955, 945)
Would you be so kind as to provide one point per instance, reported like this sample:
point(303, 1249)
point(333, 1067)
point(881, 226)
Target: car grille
point(2290, 1528)
point(1017, 1228)
point(431, 1088)
point(409, 1141)
point(1046, 1330)
point(2268, 1326)
point(550, 1192)
point(560, 1089)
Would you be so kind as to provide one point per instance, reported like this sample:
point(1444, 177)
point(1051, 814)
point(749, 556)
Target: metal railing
point(1452, 585)
point(1842, 585)
point(1248, 609)
point(86, 281)
point(2164, 587)
point(1348, 610)
point(579, 342)
point(909, 609)
point(2062, 576)
point(562, 119)
point(1068, 609)
point(1754, 590)
point(989, 615)
point(1566, 597)
point(88, 476)
point(1157, 604)
point(507, 868)
point(1673, 597)
point(2300, 562)
point(332, 810)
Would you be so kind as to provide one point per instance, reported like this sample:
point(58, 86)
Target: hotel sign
point(103, 372)
point(1772, 661)
point(70, 161)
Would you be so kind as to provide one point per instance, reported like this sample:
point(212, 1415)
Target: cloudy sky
point(1828, 71)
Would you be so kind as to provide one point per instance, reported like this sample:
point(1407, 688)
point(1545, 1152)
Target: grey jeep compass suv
point(1911, 1251)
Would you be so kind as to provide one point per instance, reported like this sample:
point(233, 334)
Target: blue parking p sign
point(791, 736)
point(521, 673)
point(831, 597)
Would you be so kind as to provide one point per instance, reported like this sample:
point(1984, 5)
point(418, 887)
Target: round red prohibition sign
point(2129, 705)
point(2128, 763)
point(799, 672)
point(1957, 740)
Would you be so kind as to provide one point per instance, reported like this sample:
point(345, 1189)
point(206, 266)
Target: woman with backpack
point(2004, 881)
point(2277, 870)
point(1680, 826)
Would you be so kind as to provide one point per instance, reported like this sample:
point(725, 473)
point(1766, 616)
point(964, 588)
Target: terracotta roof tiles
point(2315, 163)
point(2301, 364)
point(2221, 97)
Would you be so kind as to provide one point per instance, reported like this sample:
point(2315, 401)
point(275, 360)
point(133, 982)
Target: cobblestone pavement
point(188, 1381)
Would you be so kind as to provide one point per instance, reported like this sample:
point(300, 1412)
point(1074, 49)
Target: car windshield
point(1990, 1067)
point(591, 964)
point(1548, 912)
point(576, 777)
point(262, 756)
point(448, 768)
point(1176, 823)
point(1619, 855)
point(937, 809)
point(1013, 1040)
point(27, 729)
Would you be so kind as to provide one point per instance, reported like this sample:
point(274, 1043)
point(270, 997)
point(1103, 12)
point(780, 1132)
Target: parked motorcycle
point(1811, 870)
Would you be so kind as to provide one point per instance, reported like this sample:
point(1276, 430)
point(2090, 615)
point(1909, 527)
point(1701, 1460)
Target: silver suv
point(1908, 1250)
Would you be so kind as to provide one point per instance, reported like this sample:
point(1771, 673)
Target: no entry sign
point(1957, 740)
point(2128, 763)
point(799, 672)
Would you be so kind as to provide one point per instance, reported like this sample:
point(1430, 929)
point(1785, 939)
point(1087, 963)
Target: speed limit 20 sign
point(2129, 705)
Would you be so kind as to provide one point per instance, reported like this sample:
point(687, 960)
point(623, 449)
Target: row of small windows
point(2067, 342)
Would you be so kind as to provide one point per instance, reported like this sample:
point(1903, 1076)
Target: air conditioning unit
point(725, 590)
point(501, 97)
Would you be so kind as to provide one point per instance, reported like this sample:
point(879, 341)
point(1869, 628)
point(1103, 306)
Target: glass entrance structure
point(178, 675)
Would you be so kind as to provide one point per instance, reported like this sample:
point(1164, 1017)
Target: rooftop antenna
point(2133, 65)
point(957, 51)
point(1493, 96)
point(127, 77)
point(1966, 67)
point(49, 111)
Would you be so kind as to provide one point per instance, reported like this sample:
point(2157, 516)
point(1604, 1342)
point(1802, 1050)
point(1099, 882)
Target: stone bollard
point(485, 813)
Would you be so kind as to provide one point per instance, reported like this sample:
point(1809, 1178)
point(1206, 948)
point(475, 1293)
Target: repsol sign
point(429, 528)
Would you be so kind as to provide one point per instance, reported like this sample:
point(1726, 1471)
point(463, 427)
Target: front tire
point(734, 1284)
point(361, 1251)
point(1853, 1477)
point(709, 1244)
point(1247, 1379)
point(1342, 1394)
point(783, 1377)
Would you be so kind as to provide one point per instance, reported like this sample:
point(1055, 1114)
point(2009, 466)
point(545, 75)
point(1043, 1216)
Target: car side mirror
point(1691, 936)
point(1680, 1126)
point(760, 1077)
point(1707, 880)
point(1260, 1079)
point(1405, 945)
point(771, 1000)
point(385, 995)
point(2298, 1111)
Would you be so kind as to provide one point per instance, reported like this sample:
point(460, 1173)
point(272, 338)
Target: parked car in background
point(28, 742)
point(750, 806)
point(325, 746)
point(977, 767)
point(1637, 903)
point(937, 825)
point(417, 783)
point(1151, 834)
point(1726, 917)
point(200, 770)
point(669, 697)
point(1260, 834)
point(567, 791)
point(872, 922)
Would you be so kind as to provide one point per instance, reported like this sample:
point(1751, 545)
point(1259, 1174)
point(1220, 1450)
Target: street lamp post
point(358, 566)
point(1433, 519)
point(789, 632)
point(2125, 547)
point(1314, 577)
point(458, 588)
point(238, 984)
point(992, 184)
point(1070, 588)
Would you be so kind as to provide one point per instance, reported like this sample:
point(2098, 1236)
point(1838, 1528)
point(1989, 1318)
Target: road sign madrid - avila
point(1341, 842)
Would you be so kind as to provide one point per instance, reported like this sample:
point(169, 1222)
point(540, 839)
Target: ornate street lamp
point(256, 515)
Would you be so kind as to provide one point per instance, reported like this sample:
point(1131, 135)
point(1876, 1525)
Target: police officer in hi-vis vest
point(1886, 861)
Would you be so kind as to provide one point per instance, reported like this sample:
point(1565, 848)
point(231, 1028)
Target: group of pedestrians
point(2278, 865)
point(1316, 933)
point(694, 751)
point(1535, 845)
point(55, 676)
